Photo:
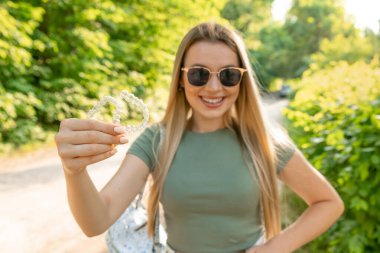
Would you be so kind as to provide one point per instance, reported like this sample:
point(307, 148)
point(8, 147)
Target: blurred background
point(58, 57)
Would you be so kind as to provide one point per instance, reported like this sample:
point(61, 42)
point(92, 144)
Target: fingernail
point(124, 139)
point(113, 151)
point(120, 129)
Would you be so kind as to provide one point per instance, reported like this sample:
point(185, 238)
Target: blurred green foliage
point(58, 57)
point(313, 32)
point(286, 49)
point(250, 17)
point(350, 49)
point(335, 120)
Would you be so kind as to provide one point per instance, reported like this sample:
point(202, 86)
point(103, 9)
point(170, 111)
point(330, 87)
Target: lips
point(212, 102)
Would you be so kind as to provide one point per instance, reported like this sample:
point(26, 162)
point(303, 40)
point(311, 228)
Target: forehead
point(213, 55)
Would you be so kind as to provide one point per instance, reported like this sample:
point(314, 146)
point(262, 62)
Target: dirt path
point(34, 214)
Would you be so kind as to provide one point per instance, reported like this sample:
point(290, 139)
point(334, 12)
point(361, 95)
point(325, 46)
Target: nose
point(214, 82)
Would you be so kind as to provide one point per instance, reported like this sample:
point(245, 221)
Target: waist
point(260, 241)
point(241, 251)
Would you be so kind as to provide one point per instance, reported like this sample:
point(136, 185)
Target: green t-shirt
point(210, 200)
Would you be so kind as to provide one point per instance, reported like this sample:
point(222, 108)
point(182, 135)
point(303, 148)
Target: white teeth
point(212, 101)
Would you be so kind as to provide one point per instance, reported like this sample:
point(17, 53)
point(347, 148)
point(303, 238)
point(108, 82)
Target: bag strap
point(156, 235)
point(139, 199)
point(157, 246)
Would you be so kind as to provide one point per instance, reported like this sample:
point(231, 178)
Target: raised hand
point(81, 142)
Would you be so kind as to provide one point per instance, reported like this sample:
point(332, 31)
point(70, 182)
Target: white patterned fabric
point(129, 234)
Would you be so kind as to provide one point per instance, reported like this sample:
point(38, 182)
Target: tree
point(334, 120)
point(249, 17)
point(308, 22)
point(285, 50)
point(341, 48)
point(58, 57)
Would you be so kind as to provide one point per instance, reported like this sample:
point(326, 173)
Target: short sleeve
point(284, 153)
point(146, 145)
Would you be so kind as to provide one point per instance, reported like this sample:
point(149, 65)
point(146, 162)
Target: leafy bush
point(335, 120)
point(57, 58)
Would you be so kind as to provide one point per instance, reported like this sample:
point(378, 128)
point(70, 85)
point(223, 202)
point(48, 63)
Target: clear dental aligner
point(129, 98)
point(101, 103)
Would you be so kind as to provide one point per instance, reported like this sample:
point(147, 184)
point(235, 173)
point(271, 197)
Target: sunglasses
point(199, 76)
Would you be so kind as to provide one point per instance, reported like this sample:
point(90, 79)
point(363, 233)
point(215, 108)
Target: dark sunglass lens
point(230, 77)
point(198, 76)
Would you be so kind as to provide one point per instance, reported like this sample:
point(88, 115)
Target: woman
point(215, 168)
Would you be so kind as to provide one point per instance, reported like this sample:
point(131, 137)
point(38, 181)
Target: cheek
point(235, 93)
point(191, 92)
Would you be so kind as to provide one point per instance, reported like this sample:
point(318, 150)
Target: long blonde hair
point(246, 118)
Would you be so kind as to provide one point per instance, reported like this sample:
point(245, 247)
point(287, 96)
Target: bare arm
point(96, 211)
point(325, 207)
point(87, 206)
point(83, 142)
point(124, 186)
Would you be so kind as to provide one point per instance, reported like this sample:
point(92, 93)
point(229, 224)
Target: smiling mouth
point(212, 101)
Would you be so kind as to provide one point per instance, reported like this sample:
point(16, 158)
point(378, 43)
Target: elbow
point(92, 233)
point(340, 207)
point(94, 228)
point(336, 206)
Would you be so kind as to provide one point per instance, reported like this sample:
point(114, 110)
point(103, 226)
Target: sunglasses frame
point(242, 70)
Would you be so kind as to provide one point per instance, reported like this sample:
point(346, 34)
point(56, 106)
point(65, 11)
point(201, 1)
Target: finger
point(81, 162)
point(73, 151)
point(90, 137)
point(74, 124)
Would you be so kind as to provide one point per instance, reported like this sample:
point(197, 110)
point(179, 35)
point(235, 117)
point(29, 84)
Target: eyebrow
point(201, 65)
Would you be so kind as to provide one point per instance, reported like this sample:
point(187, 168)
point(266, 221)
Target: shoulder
point(284, 150)
point(150, 137)
point(151, 132)
point(146, 144)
